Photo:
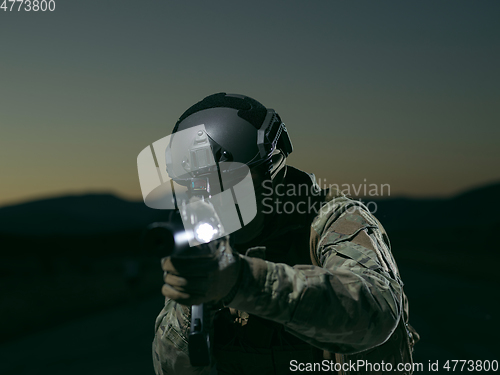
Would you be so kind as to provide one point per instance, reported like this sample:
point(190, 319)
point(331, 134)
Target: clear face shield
point(179, 172)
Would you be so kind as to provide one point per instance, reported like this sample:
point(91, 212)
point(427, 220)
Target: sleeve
point(349, 303)
point(170, 345)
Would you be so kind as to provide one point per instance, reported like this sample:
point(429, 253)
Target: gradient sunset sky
point(405, 93)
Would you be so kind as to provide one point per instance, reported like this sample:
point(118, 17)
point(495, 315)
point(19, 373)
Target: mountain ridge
point(103, 213)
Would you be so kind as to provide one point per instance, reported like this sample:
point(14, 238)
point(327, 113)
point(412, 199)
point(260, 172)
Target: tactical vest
point(247, 344)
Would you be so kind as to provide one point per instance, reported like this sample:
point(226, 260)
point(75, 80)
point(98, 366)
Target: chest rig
point(248, 344)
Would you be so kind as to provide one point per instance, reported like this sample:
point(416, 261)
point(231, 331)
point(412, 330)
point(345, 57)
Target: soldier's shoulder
point(334, 204)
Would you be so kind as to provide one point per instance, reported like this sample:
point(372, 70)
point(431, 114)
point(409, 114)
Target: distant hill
point(76, 215)
point(105, 213)
point(477, 208)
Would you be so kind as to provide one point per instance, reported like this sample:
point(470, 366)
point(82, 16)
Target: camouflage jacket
point(349, 302)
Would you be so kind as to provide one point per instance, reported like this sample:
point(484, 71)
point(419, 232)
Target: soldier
point(312, 285)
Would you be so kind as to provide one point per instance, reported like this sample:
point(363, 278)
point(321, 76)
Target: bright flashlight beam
point(205, 232)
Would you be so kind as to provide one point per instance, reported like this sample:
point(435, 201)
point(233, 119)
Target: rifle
point(201, 176)
point(172, 239)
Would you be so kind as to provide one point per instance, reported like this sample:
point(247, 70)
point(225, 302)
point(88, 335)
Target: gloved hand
point(199, 279)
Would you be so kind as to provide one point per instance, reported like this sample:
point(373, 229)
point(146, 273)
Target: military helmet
point(239, 129)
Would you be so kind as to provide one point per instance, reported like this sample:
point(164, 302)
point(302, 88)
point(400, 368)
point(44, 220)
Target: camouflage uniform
point(351, 302)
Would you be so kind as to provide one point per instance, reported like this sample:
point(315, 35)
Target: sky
point(372, 92)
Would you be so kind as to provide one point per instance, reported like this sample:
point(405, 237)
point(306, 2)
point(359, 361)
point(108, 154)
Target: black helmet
point(239, 129)
point(224, 148)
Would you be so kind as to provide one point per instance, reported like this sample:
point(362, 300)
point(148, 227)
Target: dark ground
point(457, 319)
point(74, 302)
